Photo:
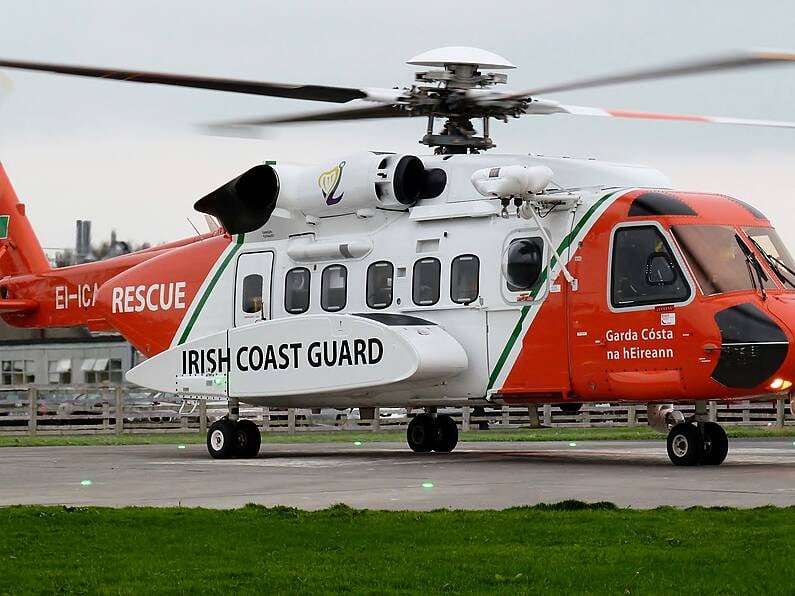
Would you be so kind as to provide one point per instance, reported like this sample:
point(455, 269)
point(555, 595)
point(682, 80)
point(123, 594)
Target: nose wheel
point(428, 433)
point(702, 443)
point(233, 438)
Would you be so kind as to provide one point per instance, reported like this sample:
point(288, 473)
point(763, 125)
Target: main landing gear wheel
point(421, 434)
point(446, 434)
point(221, 439)
point(701, 443)
point(685, 445)
point(426, 433)
point(227, 439)
point(716, 444)
point(248, 439)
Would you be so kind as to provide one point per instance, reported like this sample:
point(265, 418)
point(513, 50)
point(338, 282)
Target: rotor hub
point(448, 92)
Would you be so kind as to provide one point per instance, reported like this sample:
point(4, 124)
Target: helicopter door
point(253, 287)
point(630, 314)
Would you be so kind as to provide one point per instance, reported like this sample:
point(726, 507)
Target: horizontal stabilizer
point(18, 305)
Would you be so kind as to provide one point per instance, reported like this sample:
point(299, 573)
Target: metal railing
point(50, 409)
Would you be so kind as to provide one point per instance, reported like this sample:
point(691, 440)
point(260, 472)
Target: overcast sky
point(129, 157)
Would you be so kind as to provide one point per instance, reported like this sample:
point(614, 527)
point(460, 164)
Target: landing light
point(780, 384)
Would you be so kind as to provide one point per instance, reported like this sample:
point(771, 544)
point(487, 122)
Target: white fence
point(123, 409)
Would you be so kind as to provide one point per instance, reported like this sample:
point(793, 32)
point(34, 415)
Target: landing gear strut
point(427, 432)
point(231, 437)
point(698, 441)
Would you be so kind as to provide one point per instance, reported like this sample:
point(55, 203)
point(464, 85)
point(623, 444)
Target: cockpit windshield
point(718, 260)
point(767, 242)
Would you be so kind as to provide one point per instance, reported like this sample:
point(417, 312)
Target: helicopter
point(457, 277)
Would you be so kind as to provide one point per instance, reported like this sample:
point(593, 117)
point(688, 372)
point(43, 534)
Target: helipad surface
point(390, 476)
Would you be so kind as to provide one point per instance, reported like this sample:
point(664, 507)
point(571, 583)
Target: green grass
point(346, 436)
point(565, 549)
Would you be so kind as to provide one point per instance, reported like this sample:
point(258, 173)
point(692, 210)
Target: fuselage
point(673, 297)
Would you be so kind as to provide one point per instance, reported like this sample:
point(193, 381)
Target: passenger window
point(379, 284)
point(252, 293)
point(465, 279)
point(525, 261)
point(425, 288)
point(644, 270)
point(296, 290)
point(334, 288)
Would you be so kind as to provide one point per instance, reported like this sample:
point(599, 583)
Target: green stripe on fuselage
point(209, 289)
point(564, 245)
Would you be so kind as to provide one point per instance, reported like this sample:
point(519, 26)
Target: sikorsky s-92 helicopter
point(458, 277)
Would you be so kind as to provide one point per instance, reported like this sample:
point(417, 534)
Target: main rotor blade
point(308, 92)
point(613, 113)
point(377, 111)
point(742, 60)
point(248, 128)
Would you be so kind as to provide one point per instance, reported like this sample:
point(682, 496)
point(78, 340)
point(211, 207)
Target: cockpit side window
point(644, 270)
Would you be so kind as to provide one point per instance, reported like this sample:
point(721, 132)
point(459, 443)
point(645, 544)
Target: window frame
point(323, 283)
point(676, 254)
point(308, 290)
point(438, 281)
point(477, 279)
point(391, 289)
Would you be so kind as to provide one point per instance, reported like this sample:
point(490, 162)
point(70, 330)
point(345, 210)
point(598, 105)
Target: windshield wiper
point(753, 267)
point(774, 263)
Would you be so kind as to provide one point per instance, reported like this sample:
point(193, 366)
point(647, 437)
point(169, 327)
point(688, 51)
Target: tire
point(685, 445)
point(247, 439)
point(421, 433)
point(716, 444)
point(446, 434)
point(221, 439)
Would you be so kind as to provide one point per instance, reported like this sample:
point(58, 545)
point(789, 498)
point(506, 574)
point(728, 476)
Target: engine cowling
point(344, 186)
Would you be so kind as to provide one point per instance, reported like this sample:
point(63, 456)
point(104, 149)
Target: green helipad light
point(85, 483)
point(180, 446)
point(427, 485)
point(572, 444)
point(357, 443)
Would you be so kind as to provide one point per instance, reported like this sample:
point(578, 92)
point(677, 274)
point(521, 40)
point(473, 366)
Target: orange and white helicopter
point(459, 277)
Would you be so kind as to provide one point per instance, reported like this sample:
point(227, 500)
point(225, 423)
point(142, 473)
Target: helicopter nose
point(754, 346)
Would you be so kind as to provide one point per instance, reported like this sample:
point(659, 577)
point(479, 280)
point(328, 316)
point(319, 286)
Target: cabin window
point(524, 263)
point(379, 284)
point(334, 288)
point(252, 293)
point(644, 270)
point(296, 290)
point(425, 288)
point(465, 279)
